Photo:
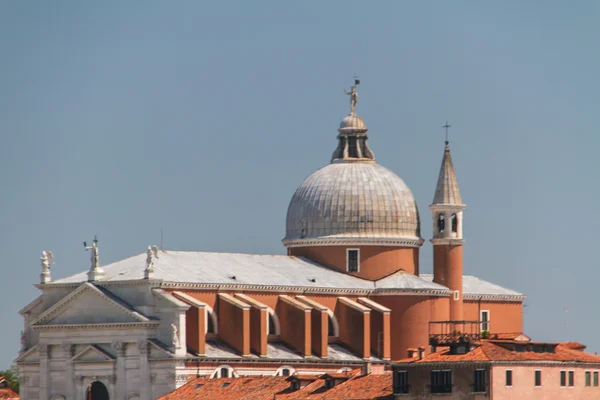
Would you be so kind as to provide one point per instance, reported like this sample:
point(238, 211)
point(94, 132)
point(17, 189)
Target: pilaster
point(145, 390)
point(120, 384)
point(44, 350)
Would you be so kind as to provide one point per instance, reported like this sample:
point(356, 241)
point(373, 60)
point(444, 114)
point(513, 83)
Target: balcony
point(453, 333)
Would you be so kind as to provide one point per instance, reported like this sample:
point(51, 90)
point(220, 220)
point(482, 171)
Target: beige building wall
point(523, 385)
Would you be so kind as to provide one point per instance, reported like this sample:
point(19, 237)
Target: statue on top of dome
point(353, 96)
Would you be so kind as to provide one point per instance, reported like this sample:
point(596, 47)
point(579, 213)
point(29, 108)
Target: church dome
point(353, 200)
point(353, 203)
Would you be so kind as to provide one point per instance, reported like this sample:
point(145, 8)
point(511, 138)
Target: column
point(44, 350)
point(145, 390)
point(67, 350)
point(120, 385)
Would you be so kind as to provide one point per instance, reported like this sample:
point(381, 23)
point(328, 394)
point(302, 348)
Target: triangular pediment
point(92, 353)
point(30, 356)
point(158, 350)
point(89, 304)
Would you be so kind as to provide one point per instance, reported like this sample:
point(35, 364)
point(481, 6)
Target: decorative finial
point(95, 272)
point(151, 254)
point(447, 126)
point(353, 95)
point(46, 259)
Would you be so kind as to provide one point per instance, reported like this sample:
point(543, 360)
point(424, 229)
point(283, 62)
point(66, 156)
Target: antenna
point(161, 240)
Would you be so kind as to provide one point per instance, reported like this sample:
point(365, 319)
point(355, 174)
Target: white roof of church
point(271, 270)
point(473, 287)
point(248, 269)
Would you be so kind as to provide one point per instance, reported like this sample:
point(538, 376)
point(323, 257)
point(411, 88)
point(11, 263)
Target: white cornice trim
point(104, 326)
point(494, 297)
point(173, 300)
point(125, 283)
point(100, 352)
point(449, 207)
point(30, 306)
point(447, 241)
point(373, 305)
point(355, 241)
point(295, 303)
point(233, 301)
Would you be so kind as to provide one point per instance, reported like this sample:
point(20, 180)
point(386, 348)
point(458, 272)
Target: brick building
point(348, 292)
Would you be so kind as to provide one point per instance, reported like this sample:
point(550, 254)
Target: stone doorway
point(96, 391)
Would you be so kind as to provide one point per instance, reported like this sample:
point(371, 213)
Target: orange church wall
point(410, 318)
point(295, 327)
point(355, 329)
point(375, 261)
point(505, 317)
point(448, 271)
point(234, 326)
point(318, 333)
point(258, 331)
point(194, 329)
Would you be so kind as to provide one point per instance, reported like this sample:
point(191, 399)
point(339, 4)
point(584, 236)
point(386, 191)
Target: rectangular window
point(508, 377)
point(563, 378)
point(588, 378)
point(595, 378)
point(441, 381)
point(479, 381)
point(538, 378)
point(401, 382)
point(352, 260)
point(571, 378)
point(485, 320)
point(456, 295)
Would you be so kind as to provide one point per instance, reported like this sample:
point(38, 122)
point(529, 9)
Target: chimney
point(366, 369)
point(412, 353)
point(421, 352)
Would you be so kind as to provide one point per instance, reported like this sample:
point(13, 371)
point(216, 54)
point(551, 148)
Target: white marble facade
point(118, 333)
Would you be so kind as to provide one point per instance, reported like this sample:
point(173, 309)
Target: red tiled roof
point(367, 387)
point(8, 394)
point(497, 351)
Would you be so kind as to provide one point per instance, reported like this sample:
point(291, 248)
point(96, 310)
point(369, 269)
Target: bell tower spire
point(447, 215)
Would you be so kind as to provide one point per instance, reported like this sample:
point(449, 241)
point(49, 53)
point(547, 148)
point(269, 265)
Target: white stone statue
point(95, 272)
point(150, 259)
point(46, 259)
point(174, 335)
point(353, 98)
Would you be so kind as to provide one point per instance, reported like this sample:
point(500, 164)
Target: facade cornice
point(447, 207)
point(448, 241)
point(494, 297)
point(355, 241)
point(30, 306)
point(208, 360)
point(122, 283)
point(447, 364)
point(117, 325)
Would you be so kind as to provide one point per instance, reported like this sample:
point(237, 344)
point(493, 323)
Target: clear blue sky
point(122, 118)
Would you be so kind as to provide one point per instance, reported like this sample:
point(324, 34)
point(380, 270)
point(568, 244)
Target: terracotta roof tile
point(8, 394)
point(367, 387)
point(503, 350)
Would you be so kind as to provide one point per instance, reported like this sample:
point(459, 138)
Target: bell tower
point(447, 215)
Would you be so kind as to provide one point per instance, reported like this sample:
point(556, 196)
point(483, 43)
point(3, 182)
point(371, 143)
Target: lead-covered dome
point(353, 203)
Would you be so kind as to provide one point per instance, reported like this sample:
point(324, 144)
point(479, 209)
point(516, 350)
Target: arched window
point(441, 224)
point(454, 223)
point(286, 370)
point(333, 328)
point(273, 327)
point(224, 371)
point(212, 324)
point(96, 391)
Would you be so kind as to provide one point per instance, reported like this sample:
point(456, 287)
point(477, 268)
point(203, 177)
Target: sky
point(120, 119)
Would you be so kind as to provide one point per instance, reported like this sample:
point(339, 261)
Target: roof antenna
point(161, 240)
point(566, 331)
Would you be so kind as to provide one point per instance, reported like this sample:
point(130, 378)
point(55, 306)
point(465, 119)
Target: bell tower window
point(353, 260)
point(441, 223)
point(454, 223)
